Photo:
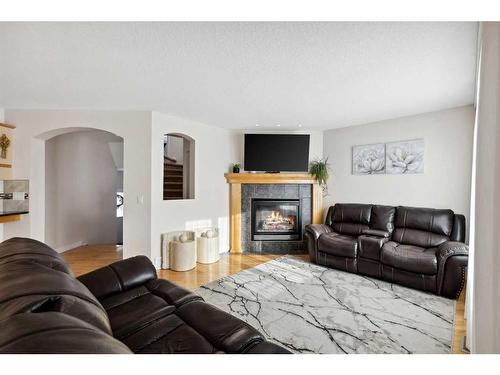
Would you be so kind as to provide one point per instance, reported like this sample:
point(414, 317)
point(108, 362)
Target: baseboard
point(64, 248)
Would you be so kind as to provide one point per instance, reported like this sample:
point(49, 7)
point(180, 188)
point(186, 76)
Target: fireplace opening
point(276, 220)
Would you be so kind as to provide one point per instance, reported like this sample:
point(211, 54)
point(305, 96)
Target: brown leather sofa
point(121, 308)
point(422, 248)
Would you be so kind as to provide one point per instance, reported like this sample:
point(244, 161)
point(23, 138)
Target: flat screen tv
point(276, 152)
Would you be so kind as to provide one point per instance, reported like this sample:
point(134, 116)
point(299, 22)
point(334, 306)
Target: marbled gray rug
point(312, 309)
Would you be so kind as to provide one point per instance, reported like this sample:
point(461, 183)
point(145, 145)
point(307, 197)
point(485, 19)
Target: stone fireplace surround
point(302, 192)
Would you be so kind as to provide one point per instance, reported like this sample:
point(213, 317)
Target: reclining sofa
point(121, 308)
point(422, 248)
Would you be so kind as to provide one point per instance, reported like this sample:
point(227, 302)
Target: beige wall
point(81, 181)
point(445, 182)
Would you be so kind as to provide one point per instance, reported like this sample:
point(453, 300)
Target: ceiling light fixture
point(278, 125)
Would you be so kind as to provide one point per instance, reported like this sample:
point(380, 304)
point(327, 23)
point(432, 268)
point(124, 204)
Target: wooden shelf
point(270, 178)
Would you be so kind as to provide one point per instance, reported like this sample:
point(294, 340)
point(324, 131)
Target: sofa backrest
point(349, 218)
point(424, 227)
point(16, 249)
point(383, 218)
point(36, 279)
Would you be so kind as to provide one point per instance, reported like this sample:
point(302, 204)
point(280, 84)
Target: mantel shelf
point(270, 178)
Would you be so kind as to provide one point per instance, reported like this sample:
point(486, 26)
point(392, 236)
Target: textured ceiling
point(236, 75)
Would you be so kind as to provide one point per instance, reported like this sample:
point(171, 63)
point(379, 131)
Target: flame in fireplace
point(277, 217)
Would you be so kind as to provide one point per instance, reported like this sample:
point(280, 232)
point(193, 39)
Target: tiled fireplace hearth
point(269, 211)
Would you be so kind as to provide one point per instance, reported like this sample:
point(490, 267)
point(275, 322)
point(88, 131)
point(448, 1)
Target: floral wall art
point(368, 159)
point(405, 157)
point(402, 157)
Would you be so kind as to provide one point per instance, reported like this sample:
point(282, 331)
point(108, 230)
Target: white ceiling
point(236, 75)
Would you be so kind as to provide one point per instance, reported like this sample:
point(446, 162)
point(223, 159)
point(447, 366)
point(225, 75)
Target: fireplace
point(276, 220)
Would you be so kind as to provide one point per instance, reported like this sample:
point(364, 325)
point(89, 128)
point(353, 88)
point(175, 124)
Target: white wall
point(215, 150)
point(315, 145)
point(34, 127)
point(483, 325)
point(81, 181)
point(445, 182)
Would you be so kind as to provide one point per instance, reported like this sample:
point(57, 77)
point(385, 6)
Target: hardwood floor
point(88, 258)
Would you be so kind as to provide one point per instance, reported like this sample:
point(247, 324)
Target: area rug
point(312, 309)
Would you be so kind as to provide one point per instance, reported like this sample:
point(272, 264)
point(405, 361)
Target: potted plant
point(236, 168)
point(320, 169)
point(4, 145)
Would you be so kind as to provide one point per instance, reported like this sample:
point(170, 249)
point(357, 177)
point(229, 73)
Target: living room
point(249, 188)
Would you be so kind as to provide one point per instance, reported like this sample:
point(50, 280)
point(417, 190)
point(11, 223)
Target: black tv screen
point(277, 152)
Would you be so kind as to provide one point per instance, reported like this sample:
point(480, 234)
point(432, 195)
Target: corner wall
point(215, 150)
point(445, 183)
point(34, 127)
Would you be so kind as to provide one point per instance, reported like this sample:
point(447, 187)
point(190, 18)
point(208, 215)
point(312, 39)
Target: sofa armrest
point(452, 259)
point(316, 230)
point(119, 276)
point(377, 233)
point(312, 232)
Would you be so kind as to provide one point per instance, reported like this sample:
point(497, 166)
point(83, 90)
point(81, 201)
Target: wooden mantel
point(235, 181)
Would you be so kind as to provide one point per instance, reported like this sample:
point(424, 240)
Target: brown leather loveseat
point(121, 308)
point(422, 248)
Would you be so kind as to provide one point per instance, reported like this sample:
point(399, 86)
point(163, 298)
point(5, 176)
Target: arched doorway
point(79, 179)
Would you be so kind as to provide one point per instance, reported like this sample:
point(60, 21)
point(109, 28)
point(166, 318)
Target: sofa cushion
point(133, 309)
point(409, 258)
point(196, 328)
point(338, 244)
point(169, 334)
point(424, 227)
point(224, 331)
point(130, 311)
point(350, 219)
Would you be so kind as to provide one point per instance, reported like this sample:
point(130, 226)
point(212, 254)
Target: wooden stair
point(173, 180)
